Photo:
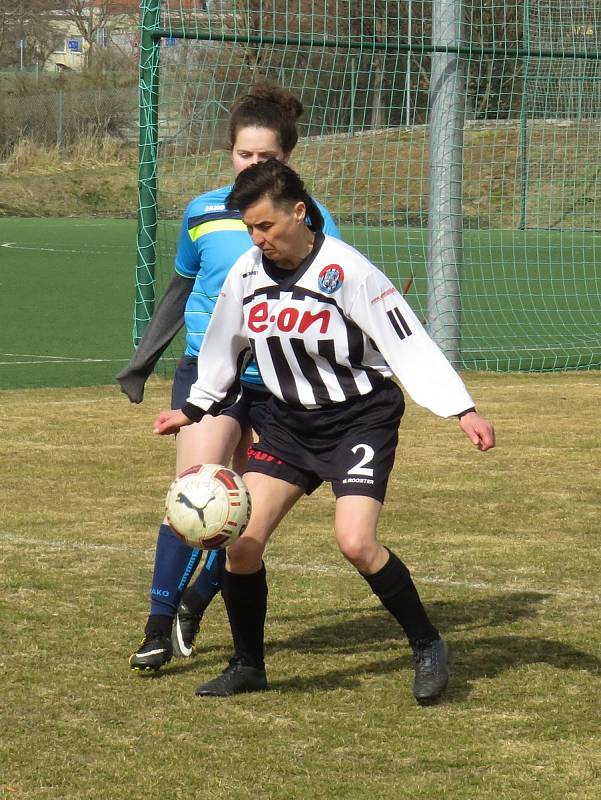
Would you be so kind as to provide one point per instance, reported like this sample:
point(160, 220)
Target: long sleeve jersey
point(331, 329)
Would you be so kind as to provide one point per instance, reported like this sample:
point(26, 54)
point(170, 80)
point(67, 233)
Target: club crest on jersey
point(331, 278)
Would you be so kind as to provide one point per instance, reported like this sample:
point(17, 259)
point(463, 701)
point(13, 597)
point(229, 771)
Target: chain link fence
point(52, 113)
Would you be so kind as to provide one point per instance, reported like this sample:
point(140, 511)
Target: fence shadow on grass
point(373, 632)
point(484, 658)
point(491, 656)
point(354, 629)
point(485, 611)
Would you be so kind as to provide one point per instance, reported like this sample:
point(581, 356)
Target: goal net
point(488, 194)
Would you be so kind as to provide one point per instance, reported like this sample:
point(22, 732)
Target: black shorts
point(248, 411)
point(351, 444)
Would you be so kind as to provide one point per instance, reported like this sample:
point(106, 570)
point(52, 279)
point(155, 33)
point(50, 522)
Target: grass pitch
point(531, 299)
point(67, 287)
point(504, 547)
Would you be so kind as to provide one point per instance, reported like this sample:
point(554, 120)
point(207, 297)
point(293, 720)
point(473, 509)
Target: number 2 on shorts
point(360, 467)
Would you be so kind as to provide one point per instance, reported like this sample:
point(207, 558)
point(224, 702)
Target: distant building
point(115, 23)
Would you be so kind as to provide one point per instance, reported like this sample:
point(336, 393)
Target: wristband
point(193, 412)
point(467, 411)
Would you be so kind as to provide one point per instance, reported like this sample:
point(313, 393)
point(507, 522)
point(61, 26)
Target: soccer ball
point(208, 506)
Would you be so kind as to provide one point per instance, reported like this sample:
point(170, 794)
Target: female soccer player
point(328, 331)
point(262, 125)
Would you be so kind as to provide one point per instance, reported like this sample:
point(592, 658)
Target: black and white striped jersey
point(327, 331)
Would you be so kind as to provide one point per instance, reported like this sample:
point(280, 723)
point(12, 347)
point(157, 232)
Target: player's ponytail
point(267, 106)
point(278, 181)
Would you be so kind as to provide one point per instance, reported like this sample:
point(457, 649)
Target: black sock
point(245, 598)
point(158, 623)
point(397, 593)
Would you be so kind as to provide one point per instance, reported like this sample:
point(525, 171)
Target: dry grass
point(505, 547)
point(97, 175)
point(88, 152)
point(103, 151)
point(375, 177)
point(32, 158)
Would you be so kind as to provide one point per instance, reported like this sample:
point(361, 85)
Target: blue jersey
point(211, 240)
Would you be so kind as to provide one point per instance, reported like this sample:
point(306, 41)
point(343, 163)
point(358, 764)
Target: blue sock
point(208, 583)
point(174, 563)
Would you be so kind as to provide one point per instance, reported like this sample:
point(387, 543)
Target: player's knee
point(245, 555)
point(358, 551)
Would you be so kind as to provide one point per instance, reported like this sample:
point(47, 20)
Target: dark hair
point(276, 180)
point(267, 106)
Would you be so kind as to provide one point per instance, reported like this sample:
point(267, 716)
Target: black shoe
point(236, 678)
point(154, 651)
point(431, 670)
point(183, 634)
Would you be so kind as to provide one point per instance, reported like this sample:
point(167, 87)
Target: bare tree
point(25, 31)
point(90, 17)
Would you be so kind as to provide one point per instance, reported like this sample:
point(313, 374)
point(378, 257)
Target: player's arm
point(419, 364)
point(166, 321)
point(223, 356)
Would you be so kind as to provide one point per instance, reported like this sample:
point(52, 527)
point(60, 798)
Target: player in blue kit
point(262, 125)
point(329, 331)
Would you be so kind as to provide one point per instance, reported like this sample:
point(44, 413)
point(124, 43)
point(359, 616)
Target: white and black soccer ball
point(208, 506)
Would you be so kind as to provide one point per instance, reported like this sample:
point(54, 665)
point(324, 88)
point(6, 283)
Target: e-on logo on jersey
point(331, 278)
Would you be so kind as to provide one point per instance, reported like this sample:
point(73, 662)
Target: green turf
point(531, 300)
point(67, 288)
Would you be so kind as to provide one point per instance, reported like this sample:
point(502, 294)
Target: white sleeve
point(422, 368)
point(224, 352)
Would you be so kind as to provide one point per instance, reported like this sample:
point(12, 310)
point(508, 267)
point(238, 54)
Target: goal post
point(445, 220)
point(146, 241)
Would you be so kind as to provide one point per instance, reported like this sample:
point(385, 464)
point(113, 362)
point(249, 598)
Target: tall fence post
point(447, 110)
point(147, 173)
point(60, 98)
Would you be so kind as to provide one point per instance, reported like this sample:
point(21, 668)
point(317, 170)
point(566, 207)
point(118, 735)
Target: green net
point(457, 151)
